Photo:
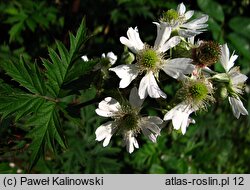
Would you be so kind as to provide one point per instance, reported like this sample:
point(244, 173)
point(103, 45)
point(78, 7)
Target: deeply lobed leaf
point(19, 105)
point(46, 131)
point(59, 65)
point(27, 75)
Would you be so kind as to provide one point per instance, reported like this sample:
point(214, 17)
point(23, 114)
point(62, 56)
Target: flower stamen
point(197, 93)
point(170, 16)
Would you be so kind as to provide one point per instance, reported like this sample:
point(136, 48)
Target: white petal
point(197, 23)
point(105, 131)
point(189, 14)
point(181, 9)
point(126, 73)
point(108, 107)
point(149, 134)
point(147, 123)
point(149, 129)
point(149, 86)
point(180, 116)
point(188, 33)
point(177, 67)
point(236, 76)
point(133, 42)
point(85, 58)
point(143, 92)
point(180, 120)
point(153, 119)
point(112, 57)
point(232, 60)
point(104, 113)
point(184, 124)
point(133, 34)
point(163, 33)
point(172, 42)
point(130, 141)
point(169, 115)
point(109, 104)
point(224, 59)
point(191, 120)
point(134, 98)
point(237, 107)
point(191, 40)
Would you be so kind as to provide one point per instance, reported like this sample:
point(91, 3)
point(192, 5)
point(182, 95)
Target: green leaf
point(31, 24)
point(240, 25)
point(46, 131)
point(80, 68)
point(212, 8)
point(6, 169)
point(63, 52)
point(11, 11)
point(19, 105)
point(41, 103)
point(157, 169)
point(60, 64)
point(241, 44)
point(6, 89)
point(216, 30)
point(15, 30)
point(27, 75)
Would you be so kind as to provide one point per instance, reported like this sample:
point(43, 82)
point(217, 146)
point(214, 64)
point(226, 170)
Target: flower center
point(148, 58)
point(207, 54)
point(129, 121)
point(198, 91)
point(170, 16)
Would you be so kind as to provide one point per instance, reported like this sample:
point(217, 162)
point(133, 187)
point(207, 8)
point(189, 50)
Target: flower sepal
point(221, 77)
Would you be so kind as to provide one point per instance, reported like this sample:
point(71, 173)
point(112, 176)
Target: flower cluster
point(176, 53)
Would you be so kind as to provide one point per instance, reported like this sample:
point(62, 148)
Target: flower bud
point(221, 77)
point(127, 57)
point(223, 93)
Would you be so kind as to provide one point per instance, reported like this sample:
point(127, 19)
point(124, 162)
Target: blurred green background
point(217, 143)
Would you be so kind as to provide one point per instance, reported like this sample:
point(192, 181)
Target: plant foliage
point(39, 98)
point(46, 103)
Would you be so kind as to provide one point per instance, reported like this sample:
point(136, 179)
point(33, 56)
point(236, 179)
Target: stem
point(93, 101)
point(47, 98)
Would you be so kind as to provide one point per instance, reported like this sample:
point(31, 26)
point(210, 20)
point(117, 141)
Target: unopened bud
point(222, 77)
point(223, 93)
point(127, 57)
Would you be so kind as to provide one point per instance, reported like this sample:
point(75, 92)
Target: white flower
point(127, 121)
point(180, 116)
point(133, 42)
point(150, 61)
point(111, 57)
point(130, 141)
point(179, 20)
point(126, 73)
point(85, 58)
point(237, 107)
point(236, 81)
point(196, 94)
